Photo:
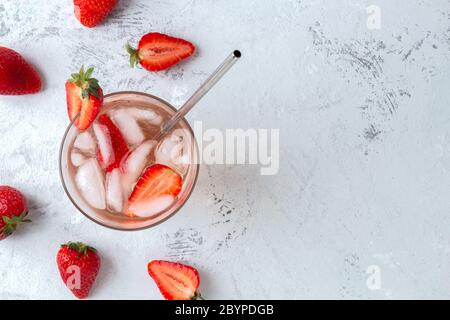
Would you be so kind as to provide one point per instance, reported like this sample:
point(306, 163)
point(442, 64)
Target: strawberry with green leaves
point(79, 265)
point(13, 210)
point(84, 98)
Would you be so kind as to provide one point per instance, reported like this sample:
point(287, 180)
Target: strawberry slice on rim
point(157, 51)
point(154, 192)
point(84, 98)
point(176, 281)
point(112, 147)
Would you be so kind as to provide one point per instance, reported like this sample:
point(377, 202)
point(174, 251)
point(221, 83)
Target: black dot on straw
point(237, 53)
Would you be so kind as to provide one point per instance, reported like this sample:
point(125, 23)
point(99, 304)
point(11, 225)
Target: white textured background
point(365, 148)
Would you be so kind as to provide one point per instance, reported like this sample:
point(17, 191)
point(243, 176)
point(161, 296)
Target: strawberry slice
point(84, 97)
point(112, 146)
point(176, 281)
point(154, 192)
point(157, 51)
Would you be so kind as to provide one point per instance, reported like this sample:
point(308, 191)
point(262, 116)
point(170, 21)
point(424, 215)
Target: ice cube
point(134, 165)
point(147, 115)
point(147, 209)
point(173, 151)
point(128, 183)
point(114, 194)
point(137, 159)
point(77, 158)
point(85, 142)
point(128, 126)
point(104, 144)
point(170, 148)
point(89, 179)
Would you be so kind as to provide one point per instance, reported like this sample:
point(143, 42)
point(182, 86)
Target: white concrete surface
point(364, 121)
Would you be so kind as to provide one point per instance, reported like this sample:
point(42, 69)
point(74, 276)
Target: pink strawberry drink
point(117, 175)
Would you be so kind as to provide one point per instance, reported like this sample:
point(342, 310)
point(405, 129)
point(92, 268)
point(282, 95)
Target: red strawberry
point(111, 153)
point(13, 210)
point(158, 51)
point(84, 97)
point(17, 76)
point(176, 281)
point(156, 189)
point(78, 265)
point(92, 12)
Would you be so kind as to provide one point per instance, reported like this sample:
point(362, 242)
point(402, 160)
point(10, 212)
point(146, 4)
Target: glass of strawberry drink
point(117, 176)
point(132, 163)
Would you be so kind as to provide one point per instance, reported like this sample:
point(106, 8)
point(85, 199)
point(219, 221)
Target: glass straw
point(200, 93)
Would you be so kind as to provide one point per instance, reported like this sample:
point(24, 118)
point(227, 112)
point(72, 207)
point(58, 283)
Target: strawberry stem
point(83, 79)
point(134, 55)
point(197, 296)
point(12, 223)
point(79, 247)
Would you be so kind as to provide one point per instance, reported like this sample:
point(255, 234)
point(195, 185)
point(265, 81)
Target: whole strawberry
point(92, 12)
point(13, 210)
point(78, 265)
point(17, 76)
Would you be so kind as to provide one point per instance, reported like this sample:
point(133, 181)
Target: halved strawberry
point(112, 146)
point(154, 192)
point(84, 97)
point(157, 51)
point(17, 76)
point(176, 281)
